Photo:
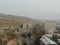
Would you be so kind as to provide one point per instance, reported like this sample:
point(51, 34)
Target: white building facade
point(50, 25)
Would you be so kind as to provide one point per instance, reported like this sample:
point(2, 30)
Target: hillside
point(11, 20)
point(8, 20)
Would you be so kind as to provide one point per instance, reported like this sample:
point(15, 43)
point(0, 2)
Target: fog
point(35, 9)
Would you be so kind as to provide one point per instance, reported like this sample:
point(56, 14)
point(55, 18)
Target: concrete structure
point(25, 27)
point(46, 41)
point(49, 33)
point(50, 25)
point(58, 28)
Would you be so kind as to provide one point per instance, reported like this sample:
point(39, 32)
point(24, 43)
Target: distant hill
point(11, 20)
point(8, 20)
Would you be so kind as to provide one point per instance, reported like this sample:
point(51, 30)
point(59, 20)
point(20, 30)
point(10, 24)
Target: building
point(49, 33)
point(26, 27)
point(44, 40)
point(50, 25)
point(58, 28)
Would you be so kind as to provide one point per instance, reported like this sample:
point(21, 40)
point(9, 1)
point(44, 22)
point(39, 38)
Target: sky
point(35, 9)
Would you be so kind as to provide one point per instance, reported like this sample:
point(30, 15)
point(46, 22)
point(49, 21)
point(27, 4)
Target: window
point(17, 30)
point(27, 26)
point(21, 26)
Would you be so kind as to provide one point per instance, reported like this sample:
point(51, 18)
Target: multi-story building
point(50, 25)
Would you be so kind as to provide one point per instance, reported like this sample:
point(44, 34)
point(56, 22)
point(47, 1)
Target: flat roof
point(47, 40)
point(44, 41)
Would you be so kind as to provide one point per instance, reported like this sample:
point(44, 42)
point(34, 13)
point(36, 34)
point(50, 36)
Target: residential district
point(29, 33)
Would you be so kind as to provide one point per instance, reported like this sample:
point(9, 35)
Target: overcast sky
point(36, 9)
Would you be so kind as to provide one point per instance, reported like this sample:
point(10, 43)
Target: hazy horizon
point(35, 9)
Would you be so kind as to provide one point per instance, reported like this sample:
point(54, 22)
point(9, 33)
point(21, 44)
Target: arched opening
point(27, 26)
point(21, 26)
